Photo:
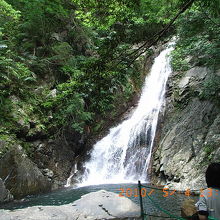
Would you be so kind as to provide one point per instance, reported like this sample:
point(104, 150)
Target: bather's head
point(213, 175)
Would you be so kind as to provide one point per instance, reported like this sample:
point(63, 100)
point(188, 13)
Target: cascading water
point(124, 154)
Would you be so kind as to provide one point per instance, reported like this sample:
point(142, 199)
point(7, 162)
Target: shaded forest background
point(66, 65)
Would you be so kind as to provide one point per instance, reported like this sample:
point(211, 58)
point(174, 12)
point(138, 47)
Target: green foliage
point(213, 6)
point(74, 113)
point(69, 106)
point(211, 89)
point(7, 140)
point(179, 59)
point(103, 14)
point(47, 16)
point(199, 40)
point(159, 11)
point(14, 75)
point(9, 18)
point(7, 13)
point(62, 49)
point(209, 151)
point(15, 79)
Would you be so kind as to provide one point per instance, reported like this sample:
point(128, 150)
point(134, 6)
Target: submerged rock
point(92, 206)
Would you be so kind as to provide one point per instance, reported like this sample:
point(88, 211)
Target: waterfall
point(124, 154)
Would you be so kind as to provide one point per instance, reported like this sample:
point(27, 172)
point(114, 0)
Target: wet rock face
point(106, 205)
point(21, 176)
point(190, 133)
point(55, 159)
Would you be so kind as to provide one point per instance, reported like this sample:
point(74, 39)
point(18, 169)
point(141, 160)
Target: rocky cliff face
point(189, 132)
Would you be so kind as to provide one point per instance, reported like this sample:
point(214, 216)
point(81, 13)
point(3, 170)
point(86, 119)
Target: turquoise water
point(68, 195)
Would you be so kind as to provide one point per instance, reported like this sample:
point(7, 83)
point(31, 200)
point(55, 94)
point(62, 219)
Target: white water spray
point(124, 154)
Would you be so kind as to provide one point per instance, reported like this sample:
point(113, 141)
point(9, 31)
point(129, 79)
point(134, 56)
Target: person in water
point(208, 205)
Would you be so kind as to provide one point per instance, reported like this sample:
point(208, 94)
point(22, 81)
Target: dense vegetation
point(198, 44)
point(69, 64)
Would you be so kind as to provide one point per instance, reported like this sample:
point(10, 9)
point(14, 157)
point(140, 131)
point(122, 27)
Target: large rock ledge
point(92, 206)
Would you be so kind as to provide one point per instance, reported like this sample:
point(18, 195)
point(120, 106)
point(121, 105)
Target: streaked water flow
point(124, 154)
